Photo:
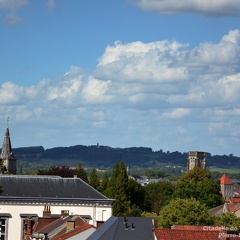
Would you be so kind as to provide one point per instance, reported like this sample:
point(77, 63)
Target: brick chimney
point(47, 211)
point(64, 213)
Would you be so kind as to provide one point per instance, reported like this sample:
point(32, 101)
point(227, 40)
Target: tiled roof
point(171, 234)
point(73, 232)
point(225, 179)
point(49, 188)
point(42, 222)
point(233, 207)
point(236, 199)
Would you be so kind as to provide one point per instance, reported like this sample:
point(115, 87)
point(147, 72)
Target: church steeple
point(9, 161)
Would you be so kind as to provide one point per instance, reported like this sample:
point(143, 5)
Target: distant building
point(226, 185)
point(196, 159)
point(9, 161)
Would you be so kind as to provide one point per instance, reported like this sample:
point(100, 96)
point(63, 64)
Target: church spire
point(7, 156)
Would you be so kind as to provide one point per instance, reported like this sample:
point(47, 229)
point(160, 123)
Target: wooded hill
point(103, 157)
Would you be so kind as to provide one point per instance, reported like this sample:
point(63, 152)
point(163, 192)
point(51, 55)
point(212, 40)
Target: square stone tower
point(196, 159)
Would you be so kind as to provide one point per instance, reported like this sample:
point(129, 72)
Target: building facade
point(25, 197)
point(196, 159)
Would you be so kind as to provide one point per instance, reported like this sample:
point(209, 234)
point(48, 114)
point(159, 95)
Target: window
point(4, 225)
point(3, 228)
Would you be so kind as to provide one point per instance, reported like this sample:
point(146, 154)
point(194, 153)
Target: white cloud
point(138, 89)
point(177, 113)
point(212, 8)
point(12, 4)
point(140, 62)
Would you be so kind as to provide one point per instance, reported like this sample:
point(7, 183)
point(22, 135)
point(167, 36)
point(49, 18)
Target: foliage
point(229, 220)
point(81, 173)
point(149, 214)
point(135, 193)
point(157, 195)
point(198, 184)
point(2, 167)
point(184, 212)
point(65, 172)
point(119, 190)
point(94, 179)
point(104, 182)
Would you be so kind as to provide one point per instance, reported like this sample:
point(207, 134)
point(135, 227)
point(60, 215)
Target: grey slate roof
point(52, 188)
point(115, 229)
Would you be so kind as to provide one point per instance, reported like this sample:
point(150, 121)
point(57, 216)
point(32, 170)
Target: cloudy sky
point(163, 74)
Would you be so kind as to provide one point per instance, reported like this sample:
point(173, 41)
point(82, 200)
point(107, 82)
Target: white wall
point(14, 224)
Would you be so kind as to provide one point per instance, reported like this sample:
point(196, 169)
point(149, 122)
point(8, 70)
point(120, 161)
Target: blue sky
point(160, 74)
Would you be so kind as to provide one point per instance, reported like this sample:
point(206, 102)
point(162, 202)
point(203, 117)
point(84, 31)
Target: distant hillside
point(105, 157)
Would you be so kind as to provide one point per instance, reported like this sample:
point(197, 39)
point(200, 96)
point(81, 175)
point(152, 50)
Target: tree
point(62, 171)
point(157, 195)
point(65, 172)
point(229, 220)
point(184, 212)
point(81, 173)
point(119, 190)
point(94, 179)
point(104, 183)
point(198, 184)
point(2, 167)
point(135, 193)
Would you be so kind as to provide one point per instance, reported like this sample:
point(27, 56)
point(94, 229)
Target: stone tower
point(9, 161)
point(226, 185)
point(196, 159)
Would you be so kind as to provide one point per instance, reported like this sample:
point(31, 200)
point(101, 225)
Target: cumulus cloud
point(211, 8)
point(138, 89)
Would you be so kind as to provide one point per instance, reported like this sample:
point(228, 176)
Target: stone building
point(9, 160)
point(196, 159)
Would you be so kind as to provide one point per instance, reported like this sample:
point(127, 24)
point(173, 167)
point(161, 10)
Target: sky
point(125, 73)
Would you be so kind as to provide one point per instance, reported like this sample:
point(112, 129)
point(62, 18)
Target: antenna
point(7, 122)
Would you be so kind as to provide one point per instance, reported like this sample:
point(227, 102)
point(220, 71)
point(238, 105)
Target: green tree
point(119, 190)
point(94, 179)
point(135, 193)
point(2, 167)
point(65, 172)
point(229, 220)
point(81, 173)
point(198, 184)
point(184, 212)
point(104, 182)
point(157, 195)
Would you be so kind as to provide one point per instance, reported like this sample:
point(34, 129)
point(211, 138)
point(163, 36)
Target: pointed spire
point(9, 161)
point(6, 147)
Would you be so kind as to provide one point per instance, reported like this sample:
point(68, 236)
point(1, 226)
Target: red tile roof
point(73, 232)
point(171, 234)
point(233, 207)
point(236, 199)
point(225, 179)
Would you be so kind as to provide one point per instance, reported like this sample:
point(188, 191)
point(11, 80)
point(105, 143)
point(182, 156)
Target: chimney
point(29, 228)
point(64, 213)
point(47, 211)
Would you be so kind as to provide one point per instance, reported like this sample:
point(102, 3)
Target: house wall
point(15, 228)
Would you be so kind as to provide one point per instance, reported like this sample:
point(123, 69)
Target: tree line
point(186, 201)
